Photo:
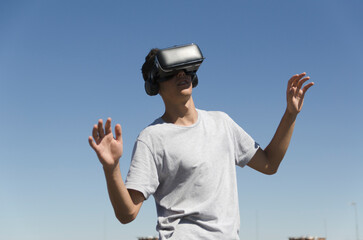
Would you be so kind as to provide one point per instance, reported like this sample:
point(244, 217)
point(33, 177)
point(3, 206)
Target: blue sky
point(65, 64)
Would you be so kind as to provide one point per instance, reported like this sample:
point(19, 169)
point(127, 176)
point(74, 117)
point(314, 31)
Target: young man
point(186, 159)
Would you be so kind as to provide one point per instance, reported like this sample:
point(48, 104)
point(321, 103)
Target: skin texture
point(268, 160)
point(109, 149)
point(180, 110)
point(178, 101)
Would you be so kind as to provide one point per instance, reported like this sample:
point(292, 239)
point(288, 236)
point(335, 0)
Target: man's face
point(178, 86)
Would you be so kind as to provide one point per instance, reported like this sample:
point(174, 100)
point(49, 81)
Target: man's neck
point(183, 114)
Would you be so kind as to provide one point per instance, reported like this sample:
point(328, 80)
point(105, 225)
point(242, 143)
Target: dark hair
point(149, 63)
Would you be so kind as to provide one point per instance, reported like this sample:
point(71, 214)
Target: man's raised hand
point(296, 92)
point(108, 149)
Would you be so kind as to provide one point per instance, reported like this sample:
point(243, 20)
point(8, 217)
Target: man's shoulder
point(152, 130)
point(159, 129)
point(214, 114)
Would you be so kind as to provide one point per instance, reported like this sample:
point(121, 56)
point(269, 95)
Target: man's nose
point(181, 73)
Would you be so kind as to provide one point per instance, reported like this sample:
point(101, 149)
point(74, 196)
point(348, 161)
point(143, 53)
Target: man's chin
point(186, 91)
point(187, 87)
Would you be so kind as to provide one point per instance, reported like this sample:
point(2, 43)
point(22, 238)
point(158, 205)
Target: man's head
point(149, 63)
point(161, 65)
point(151, 85)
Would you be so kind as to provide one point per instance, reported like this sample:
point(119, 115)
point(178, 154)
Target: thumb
point(92, 143)
point(118, 132)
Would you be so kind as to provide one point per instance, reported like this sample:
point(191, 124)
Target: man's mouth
point(183, 82)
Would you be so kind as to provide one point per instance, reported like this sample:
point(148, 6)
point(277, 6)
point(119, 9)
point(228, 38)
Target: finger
point(294, 79)
point(118, 132)
point(92, 143)
point(101, 132)
point(297, 79)
point(95, 132)
point(307, 86)
point(108, 128)
point(302, 81)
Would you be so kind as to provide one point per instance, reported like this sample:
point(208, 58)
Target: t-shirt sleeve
point(142, 175)
point(244, 145)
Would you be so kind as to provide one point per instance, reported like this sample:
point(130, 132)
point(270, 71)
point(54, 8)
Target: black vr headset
point(169, 61)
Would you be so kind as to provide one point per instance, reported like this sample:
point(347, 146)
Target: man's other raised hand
point(108, 148)
point(296, 92)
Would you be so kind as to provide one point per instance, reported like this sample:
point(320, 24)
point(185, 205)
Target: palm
point(295, 93)
point(108, 149)
point(295, 99)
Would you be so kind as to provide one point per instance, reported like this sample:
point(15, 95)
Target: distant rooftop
point(307, 238)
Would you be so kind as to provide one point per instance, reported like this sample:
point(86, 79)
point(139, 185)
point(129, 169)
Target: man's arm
point(126, 203)
point(268, 160)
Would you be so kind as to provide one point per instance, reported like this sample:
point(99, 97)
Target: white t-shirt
point(190, 171)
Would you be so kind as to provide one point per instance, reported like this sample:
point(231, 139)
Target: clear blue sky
point(65, 64)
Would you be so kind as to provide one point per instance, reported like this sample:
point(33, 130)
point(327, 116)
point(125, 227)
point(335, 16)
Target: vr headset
point(169, 61)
